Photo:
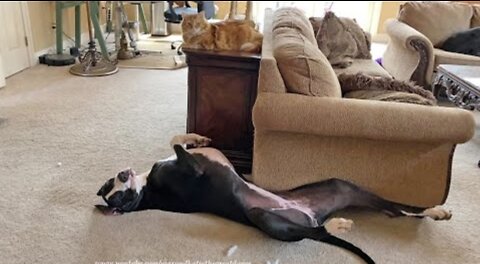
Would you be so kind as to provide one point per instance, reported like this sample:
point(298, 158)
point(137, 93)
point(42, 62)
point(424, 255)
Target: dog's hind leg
point(364, 198)
point(281, 228)
point(331, 195)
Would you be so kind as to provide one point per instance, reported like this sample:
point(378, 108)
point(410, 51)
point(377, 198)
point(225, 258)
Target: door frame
point(2, 73)
point(28, 33)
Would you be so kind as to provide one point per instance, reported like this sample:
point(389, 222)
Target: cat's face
point(194, 23)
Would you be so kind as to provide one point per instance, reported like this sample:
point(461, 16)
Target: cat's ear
point(201, 15)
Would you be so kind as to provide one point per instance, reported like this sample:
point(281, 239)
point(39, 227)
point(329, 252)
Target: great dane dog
point(202, 179)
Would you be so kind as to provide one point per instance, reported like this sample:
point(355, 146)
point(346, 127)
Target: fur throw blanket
point(363, 86)
point(341, 39)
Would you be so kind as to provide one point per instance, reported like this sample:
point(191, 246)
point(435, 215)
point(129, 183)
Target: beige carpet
point(154, 61)
point(96, 126)
point(156, 53)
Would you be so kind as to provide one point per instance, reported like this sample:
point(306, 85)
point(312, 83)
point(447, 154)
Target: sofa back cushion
point(476, 16)
point(305, 70)
point(291, 17)
point(437, 21)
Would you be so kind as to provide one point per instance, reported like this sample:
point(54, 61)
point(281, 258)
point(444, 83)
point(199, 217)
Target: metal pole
point(90, 35)
point(78, 28)
point(58, 25)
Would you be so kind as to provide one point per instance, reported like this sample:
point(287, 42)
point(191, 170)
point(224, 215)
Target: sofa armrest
point(409, 54)
point(376, 120)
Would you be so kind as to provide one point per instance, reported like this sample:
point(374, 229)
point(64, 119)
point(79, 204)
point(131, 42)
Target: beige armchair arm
point(341, 117)
point(409, 54)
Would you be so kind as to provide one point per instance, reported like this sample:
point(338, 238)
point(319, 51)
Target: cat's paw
point(338, 225)
point(438, 213)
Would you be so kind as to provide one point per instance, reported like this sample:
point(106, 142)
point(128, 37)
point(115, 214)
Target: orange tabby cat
point(225, 35)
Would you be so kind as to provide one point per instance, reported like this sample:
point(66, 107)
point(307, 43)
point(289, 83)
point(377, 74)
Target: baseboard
point(67, 44)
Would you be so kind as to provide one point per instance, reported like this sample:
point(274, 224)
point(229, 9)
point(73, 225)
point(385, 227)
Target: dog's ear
point(186, 159)
point(106, 210)
point(106, 188)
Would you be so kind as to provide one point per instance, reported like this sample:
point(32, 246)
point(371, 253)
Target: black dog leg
point(331, 195)
point(349, 194)
point(282, 228)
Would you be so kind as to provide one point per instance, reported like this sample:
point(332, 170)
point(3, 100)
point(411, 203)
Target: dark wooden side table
point(461, 83)
point(222, 88)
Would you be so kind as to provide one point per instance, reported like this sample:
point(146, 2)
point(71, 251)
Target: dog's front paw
point(201, 141)
point(438, 213)
point(191, 139)
point(338, 225)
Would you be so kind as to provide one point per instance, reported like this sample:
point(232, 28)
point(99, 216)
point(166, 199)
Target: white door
point(13, 44)
point(2, 74)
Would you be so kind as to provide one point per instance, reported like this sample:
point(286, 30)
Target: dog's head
point(121, 193)
point(174, 179)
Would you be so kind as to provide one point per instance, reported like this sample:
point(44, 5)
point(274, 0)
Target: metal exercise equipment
point(92, 63)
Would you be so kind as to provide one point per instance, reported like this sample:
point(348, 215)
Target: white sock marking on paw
point(436, 213)
point(338, 225)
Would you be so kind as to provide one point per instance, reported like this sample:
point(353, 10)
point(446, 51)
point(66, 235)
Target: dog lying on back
point(203, 180)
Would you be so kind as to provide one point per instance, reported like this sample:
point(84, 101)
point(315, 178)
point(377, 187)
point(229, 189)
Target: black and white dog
point(203, 180)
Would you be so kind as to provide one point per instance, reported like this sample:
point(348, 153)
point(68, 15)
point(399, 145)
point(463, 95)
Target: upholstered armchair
point(413, 51)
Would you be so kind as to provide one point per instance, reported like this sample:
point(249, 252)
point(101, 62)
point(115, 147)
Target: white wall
point(2, 74)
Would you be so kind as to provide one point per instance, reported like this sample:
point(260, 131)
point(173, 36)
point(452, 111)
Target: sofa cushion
point(476, 16)
point(305, 70)
point(446, 57)
point(368, 67)
point(437, 21)
point(295, 18)
point(341, 40)
point(316, 24)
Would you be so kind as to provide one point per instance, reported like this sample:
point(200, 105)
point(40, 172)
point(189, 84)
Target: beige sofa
point(415, 35)
point(402, 152)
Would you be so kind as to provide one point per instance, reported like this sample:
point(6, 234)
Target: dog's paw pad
point(338, 225)
point(201, 141)
point(438, 213)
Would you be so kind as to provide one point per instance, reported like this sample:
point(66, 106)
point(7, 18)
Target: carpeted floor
point(156, 53)
point(96, 126)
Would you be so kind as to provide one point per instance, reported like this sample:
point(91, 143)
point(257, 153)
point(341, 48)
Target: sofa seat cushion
point(446, 57)
point(305, 70)
point(437, 21)
point(368, 67)
point(291, 17)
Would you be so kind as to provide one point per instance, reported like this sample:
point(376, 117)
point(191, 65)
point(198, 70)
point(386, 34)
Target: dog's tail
point(333, 240)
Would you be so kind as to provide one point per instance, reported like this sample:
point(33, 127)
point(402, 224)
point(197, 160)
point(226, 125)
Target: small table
point(222, 88)
point(461, 83)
